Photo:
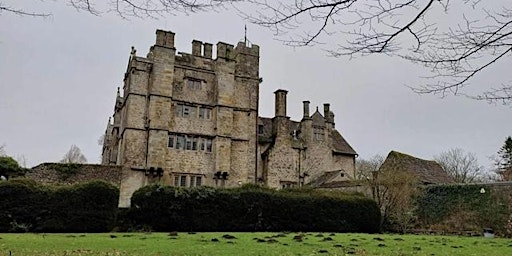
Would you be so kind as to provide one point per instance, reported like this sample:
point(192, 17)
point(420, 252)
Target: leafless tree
point(394, 190)
point(462, 166)
point(455, 40)
point(2, 150)
point(129, 8)
point(74, 155)
point(365, 168)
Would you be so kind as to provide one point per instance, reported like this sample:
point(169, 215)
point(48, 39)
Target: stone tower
point(186, 119)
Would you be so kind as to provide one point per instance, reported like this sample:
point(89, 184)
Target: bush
point(463, 207)
point(10, 168)
point(251, 209)
point(22, 205)
point(88, 207)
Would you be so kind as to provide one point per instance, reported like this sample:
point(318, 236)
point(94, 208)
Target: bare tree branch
point(461, 166)
point(455, 53)
point(21, 12)
point(74, 155)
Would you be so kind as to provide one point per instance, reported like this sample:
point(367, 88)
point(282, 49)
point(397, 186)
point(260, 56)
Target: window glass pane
point(208, 113)
point(176, 181)
point(194, 143)
point(179, 141)
point(188, 141)
point(209, 145)
point(179, 110)
point(201, 113)
point(171, 140)
point(194, 84)
point(186, 111)
point(192, 111)
point(183, 181)
point(198, 181)
point(201, 144)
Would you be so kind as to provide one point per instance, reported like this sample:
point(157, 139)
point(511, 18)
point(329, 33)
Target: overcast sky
point(59, 77)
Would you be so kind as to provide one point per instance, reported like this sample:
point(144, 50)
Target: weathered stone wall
point(57, 173)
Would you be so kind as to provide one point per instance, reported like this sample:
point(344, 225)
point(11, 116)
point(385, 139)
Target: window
point(208, 145)
point(205, 113)
point(193, 111)
point(201, 144)
point(179, 141)
point(189, 111)
point(194, 180)
point(179, 109)
point(171, 140)
point(318, 133)
point(194, 143)
point(190, 142)
point(194, 84)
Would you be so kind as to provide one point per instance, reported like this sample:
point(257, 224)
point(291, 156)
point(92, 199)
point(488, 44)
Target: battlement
point(205, 50)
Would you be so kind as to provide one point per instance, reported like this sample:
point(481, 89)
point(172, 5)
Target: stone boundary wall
point(66, 174)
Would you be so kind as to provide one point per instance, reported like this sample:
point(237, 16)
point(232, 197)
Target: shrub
point(252, 209)
point(22, 205)
point(10, 168)
point(88, 207)
point(463, 207)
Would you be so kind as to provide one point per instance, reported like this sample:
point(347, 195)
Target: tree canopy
point(462, 166)
point(504, 161)
point(74, 155)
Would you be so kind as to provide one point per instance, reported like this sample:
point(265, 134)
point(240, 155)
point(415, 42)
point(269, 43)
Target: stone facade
point(295, 153)
point(192, 119)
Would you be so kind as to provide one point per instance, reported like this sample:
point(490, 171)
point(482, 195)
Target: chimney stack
point(280, 103)
point(165, 38)
point(306, 109)
point(326, 111)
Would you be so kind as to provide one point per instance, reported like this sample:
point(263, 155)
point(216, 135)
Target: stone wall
point(57, 173)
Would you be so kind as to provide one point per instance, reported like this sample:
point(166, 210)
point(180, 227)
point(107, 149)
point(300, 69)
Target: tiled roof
point(339, 144)
point(428, 172)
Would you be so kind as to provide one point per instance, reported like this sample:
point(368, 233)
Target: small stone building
point(192, 119)
point(427, 172)
point(296, 153)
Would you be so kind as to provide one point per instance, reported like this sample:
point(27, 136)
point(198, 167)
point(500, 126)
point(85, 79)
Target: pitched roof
point(324, 178)
point(428, 172)
point(318, 119)
point(339, 144)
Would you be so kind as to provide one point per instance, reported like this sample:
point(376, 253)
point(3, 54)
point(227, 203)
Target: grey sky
point(59, 78)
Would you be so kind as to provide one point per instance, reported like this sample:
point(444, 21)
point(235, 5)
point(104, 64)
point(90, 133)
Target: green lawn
point(248, 244)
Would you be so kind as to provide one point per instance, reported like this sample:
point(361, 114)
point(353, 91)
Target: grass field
point(248, 244)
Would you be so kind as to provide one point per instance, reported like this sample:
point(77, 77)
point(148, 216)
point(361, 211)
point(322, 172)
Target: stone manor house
point(191, 119)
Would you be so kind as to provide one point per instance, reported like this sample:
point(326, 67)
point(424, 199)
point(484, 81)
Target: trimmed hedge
point(163, 208)
point(88, 207)
point(447, 205)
